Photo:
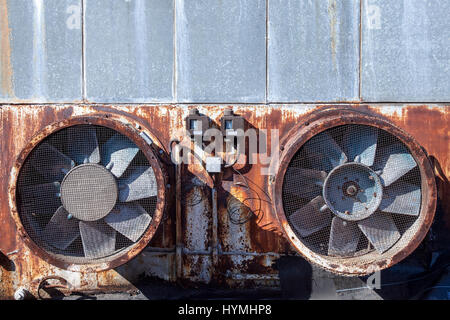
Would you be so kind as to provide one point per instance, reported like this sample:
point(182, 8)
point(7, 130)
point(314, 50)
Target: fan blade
point(325, 151)
point(360, 143)
point(141, 183)
point(310, 218)
point(304, 183)
point(98, 239)
point(83, 144)
point(381, 231)
point(131, 220)
point(402, 198)
point(41, 199)
point(117, 154)
point(395, 161)
point(60, 231)
point(50, 162)
point(344, 237)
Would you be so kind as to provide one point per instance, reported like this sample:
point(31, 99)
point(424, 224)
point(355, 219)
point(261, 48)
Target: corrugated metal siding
point(235, 51)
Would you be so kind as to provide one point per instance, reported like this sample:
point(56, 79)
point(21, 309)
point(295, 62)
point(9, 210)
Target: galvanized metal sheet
point(221, 53)
point(129, 50)
point(40, 50)
point(313, 50)
point(405, 50)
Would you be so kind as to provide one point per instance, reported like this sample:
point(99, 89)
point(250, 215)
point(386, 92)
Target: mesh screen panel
point(361, 153)
point(85, 193)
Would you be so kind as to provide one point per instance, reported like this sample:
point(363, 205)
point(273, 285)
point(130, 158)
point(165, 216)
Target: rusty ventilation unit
point(352, 192)
point(90, 192)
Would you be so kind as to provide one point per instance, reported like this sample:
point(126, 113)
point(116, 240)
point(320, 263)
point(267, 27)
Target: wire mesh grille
point(85, 193)
point(313, 214)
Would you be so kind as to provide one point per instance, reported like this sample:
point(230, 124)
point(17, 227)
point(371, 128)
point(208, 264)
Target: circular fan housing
point(353, 193)
point(88, 192)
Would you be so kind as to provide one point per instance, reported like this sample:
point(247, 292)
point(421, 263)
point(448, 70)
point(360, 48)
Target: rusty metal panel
point(40, 51)
point(221, 53)
point(313, 50)
point(246, 252)
point(405, 51)
point(129, 50)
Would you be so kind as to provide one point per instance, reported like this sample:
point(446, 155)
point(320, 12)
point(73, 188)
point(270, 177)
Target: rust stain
point(5, 52)
point(260, 235)
point(429, 126)
point(431, 129)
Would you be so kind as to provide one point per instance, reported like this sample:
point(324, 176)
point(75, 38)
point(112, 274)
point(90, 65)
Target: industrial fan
point(351, 190)
point(86, 192)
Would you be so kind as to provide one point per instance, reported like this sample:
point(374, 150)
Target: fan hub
point(352, 191)
point(89, 192)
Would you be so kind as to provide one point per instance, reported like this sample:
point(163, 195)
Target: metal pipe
point(215, 251)
point(178, 229)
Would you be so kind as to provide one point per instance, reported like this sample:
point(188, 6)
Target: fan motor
point(89, 192)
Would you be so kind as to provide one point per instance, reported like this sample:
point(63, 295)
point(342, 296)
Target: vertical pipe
point(178, 230)
point(215, 251)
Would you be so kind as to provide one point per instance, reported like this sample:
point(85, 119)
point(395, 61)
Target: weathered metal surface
point(221, 53)
point(41, 51)
point(138, 51)
point(129, 50)
point(313, 50)
point(245, 251)
point(405, 54)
